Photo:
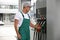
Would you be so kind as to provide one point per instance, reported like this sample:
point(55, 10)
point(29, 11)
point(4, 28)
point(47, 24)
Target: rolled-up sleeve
point(17, 16)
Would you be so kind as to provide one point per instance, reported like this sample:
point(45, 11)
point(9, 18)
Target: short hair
point(26, 4)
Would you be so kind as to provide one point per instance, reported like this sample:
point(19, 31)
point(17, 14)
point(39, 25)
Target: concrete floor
point(7, 32)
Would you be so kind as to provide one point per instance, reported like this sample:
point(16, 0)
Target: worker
point(22, 23)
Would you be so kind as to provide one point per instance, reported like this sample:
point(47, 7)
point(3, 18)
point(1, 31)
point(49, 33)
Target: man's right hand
point(19, 36)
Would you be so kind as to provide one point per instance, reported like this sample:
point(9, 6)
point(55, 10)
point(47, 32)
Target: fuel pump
point(39, 33)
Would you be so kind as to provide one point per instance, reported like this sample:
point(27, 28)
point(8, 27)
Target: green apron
point(24, 29)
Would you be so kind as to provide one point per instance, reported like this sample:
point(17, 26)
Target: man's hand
point(38, 26)
point(19, 36)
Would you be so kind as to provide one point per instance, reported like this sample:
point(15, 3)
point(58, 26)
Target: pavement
point(7, 32)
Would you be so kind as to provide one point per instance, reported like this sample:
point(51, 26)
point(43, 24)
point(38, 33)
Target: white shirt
point(19, 17)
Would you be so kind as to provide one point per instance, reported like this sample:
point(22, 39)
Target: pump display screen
point(41, 12)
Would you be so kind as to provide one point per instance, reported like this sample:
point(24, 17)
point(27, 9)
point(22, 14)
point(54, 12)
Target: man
point(22, 23)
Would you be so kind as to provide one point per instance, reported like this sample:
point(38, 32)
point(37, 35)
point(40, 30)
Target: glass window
point(16, 6)
point(9, 6)
point(6, 6)
point(0, 6)
point(11, 17)
point(13, 7)
point(3, 6)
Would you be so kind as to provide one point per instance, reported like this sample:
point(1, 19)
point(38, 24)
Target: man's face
point(27, 9)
